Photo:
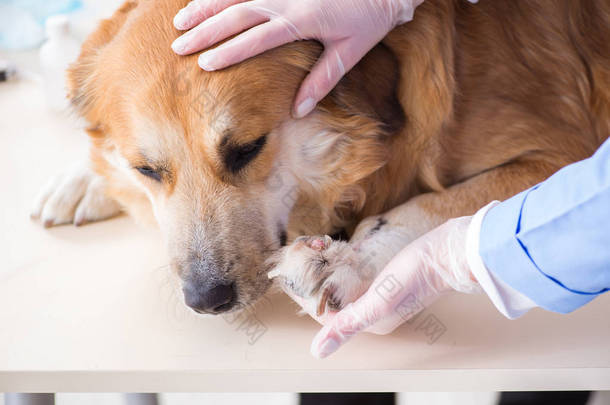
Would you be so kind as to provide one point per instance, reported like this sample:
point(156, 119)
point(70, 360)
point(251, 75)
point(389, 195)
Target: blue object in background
point(22, 21)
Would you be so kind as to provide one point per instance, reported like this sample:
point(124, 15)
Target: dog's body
point(464, 105)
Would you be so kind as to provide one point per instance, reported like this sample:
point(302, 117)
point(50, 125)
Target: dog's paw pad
point(318, 243)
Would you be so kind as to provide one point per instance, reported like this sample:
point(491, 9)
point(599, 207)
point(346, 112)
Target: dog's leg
point(330, 274)
point(74, 196)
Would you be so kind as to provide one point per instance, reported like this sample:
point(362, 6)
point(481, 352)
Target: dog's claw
point(323, 300)
point(273, 273)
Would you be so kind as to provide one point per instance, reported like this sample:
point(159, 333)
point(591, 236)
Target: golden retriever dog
point(466, 104)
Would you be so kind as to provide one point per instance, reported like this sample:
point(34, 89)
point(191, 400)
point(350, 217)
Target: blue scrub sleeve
point(552, 242)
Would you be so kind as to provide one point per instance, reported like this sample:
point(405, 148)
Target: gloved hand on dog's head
point(348, 29)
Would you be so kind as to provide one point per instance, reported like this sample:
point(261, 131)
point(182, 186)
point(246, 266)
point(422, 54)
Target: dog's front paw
point(75, 196)
point(321, 272)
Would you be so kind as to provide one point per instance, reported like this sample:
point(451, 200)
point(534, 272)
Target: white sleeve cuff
point(510, 302)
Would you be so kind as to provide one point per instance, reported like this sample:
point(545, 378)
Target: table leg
point(140, 399)
point(29, 399)
point(348, 398)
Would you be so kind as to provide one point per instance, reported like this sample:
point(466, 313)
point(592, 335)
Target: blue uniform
point(551, 243)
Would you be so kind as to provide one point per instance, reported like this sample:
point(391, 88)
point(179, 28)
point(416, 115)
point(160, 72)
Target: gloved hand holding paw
point(429, 267)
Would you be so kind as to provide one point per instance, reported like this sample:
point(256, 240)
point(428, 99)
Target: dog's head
point(229, 175)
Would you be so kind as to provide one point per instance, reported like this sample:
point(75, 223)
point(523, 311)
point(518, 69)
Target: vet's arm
point(548, 246)
point(552, 242)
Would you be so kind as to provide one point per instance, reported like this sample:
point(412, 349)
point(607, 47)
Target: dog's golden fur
point(466, 104)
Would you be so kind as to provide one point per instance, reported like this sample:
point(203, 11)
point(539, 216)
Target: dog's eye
point(237, 157)
point(149, 172)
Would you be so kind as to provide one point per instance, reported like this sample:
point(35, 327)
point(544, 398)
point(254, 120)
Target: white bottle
point(60, 50)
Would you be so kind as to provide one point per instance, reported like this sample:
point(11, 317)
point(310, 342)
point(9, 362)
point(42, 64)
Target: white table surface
point(95, 309)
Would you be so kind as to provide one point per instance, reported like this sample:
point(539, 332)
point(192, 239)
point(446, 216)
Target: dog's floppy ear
point(81, 71)
point(370, 89)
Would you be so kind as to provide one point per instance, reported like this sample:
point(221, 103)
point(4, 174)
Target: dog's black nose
point(212, 299)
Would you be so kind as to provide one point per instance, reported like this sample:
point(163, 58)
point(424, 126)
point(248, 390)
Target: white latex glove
point(430, 266)
point(348, 29)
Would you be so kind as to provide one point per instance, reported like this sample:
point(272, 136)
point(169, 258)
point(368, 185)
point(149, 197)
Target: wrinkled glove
point(432, 265)
point(348, 29)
